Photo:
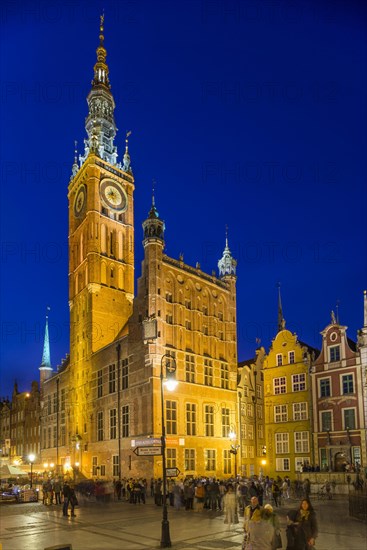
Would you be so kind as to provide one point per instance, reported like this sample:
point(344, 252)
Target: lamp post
point(234, 450)
point(169, 364)
point(31, 458)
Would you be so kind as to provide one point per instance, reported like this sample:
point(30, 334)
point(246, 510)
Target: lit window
point(225, 422)
point(189, 459)
point(210, 462)
point(190, 368)
point(227, 461)
point(171, 417)
point(190, 419)
point(209, 420)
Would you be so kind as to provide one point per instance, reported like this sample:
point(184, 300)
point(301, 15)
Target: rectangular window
point(259, 410)
point(250, 431)
point(112, 378)
point(115, 466)
point(282, 443)
point(55, 402)
point(169, 319)
point(99, 383)
point(280, 385)
point(282, 465)
point(113, 424)
point(227, 461)
point(100, 426)
point(189, 460)
point(347, 384)
point(55, 436)
point(169, 297)
point(224, 376)
point(63, 399)
point(324, 387)
point(323, 459)
point(281, 413)
point(291, 357)
point(225, 422)
point(300, 411)
point(210, 462)
point(279, 359)
point(103, 470)
point(190, 368)
point(251, 451)
point(209, 420)
point(49, 437)
point(299, 462)
point(171, 417)
point(125, 374)
point(94, 465)
point(63, 435)
point(171, 458)
point(188, 324)
point(326, 421)
point(349, 416)
point(260, 431)
point(205, 330)
point(356, 452)
point(125, 421)
point(190, 419)
point(258, 391)
point(298, 382)
point(250, 410)
point(208, 372)
point(188, 304)
point(301, 444)
point(334, 354)
point(49, 404)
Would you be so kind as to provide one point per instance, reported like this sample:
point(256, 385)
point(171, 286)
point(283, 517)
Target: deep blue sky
point(251, 114)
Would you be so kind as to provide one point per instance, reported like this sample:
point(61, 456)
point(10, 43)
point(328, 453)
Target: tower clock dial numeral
point(113, 196)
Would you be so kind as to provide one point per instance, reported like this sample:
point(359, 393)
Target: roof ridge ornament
point(227, 264)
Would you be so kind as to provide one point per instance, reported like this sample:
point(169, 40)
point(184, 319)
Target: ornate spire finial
point(281, 320)
point(153, 226)
point(127, 161)
point(333, 319)
point(227, 264)
point(153, 186)
point(101, 29)
point(75, 166)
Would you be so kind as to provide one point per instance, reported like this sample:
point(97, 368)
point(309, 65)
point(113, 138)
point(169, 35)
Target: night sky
point(250, 114)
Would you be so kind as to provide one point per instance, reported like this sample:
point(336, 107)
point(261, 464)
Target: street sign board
point(146, 442)
point(148, 451)
point(172, 472)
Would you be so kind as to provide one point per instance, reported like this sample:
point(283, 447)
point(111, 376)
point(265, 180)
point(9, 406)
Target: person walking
point(230, 506)
point(302, 527)
point(276, 493)
point(261, 530)
point(274, 520)
point(66, 495)
point(57, 490)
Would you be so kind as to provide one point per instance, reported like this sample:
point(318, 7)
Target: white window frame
point(283, 443)
point(279, 415)
point(319, 386)
point(332, 419)
point(280, 386)
point(304, 381)
point(279, 359)
point(282, 464)
point(355, 417)
point(303, 441)
point(291, 354)
point(329, 353)
point(303, 411)
point(299, 461)
point(341, 376)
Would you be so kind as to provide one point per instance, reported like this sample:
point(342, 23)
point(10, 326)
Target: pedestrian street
point(122, 526)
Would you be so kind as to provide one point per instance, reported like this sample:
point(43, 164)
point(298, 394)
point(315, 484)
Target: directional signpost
point(172, 472)
point(148, 451)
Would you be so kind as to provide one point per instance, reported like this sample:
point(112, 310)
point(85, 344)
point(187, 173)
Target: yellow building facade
point(287, 403)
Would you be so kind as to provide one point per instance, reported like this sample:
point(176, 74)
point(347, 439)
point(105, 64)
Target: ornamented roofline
point(195, 271)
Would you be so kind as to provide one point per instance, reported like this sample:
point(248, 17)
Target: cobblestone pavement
point(122, 526)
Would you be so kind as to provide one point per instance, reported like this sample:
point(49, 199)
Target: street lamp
point(234, 450)
point(169, 364)
point(31, 458)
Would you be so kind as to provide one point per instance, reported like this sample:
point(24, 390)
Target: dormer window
point(334, 354)
point(279, 360)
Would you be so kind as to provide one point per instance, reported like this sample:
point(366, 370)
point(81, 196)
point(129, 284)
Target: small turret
point(227, 264)
point(153, 226)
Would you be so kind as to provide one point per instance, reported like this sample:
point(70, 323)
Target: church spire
point(100, 123)
point(227, 264)
point(46, 368)
point(281, 320)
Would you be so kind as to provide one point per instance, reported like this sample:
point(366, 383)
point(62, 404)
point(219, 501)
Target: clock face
point(113, 196)
point(79, 201)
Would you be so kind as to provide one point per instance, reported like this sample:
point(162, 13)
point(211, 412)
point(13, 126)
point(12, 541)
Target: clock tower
point(101, 227)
